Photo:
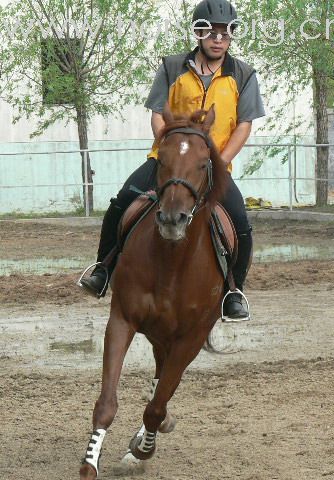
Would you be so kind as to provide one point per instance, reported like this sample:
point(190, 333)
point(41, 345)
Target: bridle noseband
point(181, 181)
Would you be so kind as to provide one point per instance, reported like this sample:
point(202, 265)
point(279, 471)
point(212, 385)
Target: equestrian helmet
point(215, 11)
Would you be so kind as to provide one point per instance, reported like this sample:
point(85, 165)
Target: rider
point(192, 81)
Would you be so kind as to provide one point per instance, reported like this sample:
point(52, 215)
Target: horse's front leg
point(181, 354)
point(118, 337)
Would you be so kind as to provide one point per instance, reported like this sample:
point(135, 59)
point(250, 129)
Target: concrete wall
point(32, 182)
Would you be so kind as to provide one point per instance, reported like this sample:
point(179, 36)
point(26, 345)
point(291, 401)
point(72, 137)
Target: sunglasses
point(219, 36)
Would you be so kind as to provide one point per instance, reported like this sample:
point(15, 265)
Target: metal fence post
point(87, 212)
point(290, 178)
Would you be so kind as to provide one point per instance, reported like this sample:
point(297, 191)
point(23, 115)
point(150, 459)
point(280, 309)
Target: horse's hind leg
point(169, 422)
point(118, 337)
point(159, 354)
point(129, 462)
point(182, 352)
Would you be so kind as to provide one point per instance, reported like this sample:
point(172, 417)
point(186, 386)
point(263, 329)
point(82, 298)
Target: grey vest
point(176, 65)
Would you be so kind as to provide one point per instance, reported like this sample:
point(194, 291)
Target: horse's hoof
point(168, 424)
point(135, 441)
point(87, 472)
point(129, 465)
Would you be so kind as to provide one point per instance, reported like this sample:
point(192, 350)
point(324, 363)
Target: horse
point(167, 284)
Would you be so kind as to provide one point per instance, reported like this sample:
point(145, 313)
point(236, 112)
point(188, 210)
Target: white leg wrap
point(94, 448)
point(147, 442)
point(153, 387)
point(147, 437)
point(141, 432)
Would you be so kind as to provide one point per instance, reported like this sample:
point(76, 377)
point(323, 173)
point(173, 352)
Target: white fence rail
point(290, 173)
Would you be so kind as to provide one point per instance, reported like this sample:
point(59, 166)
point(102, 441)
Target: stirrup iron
point(98, 295)
point(235, 320)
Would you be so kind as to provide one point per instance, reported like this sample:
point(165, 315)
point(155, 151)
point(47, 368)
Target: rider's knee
point(245, 233)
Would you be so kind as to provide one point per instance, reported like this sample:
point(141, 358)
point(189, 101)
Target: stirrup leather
point(226, 319)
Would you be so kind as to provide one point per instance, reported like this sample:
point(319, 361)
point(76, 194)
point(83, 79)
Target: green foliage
point(175, 31)
point(57, 56)
point(294, 60)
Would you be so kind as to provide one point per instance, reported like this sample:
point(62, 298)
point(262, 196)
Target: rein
point(182, 181)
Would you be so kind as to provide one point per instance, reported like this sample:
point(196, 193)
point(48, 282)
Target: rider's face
point(217, 43)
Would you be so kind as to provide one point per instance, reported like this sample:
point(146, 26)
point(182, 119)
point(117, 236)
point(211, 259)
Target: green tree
point(174, 33)
point(299, 54)
point(65, 60)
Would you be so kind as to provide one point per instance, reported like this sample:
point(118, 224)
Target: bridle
point(182, 181)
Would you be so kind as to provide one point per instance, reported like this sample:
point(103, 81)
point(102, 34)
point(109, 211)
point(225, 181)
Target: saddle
point(132, 216)
point(223, 235)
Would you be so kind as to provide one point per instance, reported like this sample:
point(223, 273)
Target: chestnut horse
point(167, 284)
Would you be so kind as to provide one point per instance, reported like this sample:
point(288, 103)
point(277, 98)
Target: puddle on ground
point(72, 336)
point(55, 342)
point(140, 352)
point(85, 346)
point(42, 265)
point(292, 253)
point(262, 254)
point(91, 350)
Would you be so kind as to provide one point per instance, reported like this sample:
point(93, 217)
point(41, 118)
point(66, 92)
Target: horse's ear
point(167, 114)
point(209, 119)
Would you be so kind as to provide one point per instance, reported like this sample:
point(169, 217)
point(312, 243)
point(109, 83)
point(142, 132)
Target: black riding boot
point(233, 307)
point(108, 240)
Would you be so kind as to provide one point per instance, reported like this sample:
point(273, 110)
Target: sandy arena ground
point(262, 411)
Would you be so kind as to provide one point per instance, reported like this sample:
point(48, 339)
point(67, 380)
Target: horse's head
point(184, 171)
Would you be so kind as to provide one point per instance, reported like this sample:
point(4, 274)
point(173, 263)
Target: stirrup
point(99, 294)
point(235, 320)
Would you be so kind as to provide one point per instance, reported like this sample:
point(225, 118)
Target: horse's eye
point(203, 167)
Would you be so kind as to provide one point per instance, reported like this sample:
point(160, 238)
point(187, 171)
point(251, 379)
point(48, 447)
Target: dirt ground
point(263, 411)
point(22, 240)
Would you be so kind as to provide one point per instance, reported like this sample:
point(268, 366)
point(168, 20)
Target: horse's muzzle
point(175, 219)
point(172, 226)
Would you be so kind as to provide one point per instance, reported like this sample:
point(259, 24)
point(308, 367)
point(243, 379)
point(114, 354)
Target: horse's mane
point(219, 170)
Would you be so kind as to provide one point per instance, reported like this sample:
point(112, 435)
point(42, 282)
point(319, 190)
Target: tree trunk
point(320, 93)
point(83, 142)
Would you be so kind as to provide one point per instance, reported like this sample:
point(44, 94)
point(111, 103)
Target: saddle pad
point(231, 243)
point(224, 240)
point(133, 213)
